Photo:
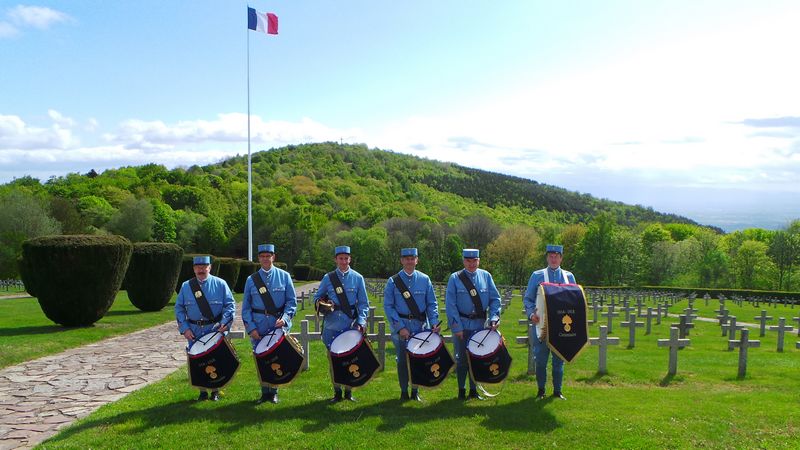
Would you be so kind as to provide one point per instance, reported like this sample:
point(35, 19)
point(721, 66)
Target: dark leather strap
point(263, 291)
point(410, 302)
point(202, 301)
point(344, 303)
point(473, 294)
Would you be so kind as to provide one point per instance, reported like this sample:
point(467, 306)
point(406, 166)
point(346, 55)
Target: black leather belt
point(201, 322)
point(264, 312)
point(412, 317)
point(472, 316)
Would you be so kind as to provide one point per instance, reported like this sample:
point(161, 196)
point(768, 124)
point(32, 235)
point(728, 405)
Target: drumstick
point(480, 344)
point(423, 340)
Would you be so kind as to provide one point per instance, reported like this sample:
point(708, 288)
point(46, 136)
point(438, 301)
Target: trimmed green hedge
point(228, 270)
point(152, 274)
point(26, 274)
point(245, 269)
point(76, 278)
point(304, 272)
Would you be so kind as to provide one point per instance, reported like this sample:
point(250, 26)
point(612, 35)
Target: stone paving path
point(39, 397)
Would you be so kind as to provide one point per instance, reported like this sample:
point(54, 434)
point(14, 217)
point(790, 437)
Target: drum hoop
point(352, 350)
point(274, 347)
point(209, 350)
point(365, 341)
point(233, 375)
point(425, 355)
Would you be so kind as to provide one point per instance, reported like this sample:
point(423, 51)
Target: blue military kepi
point(471, 253)
point(552, 248)
point(341, 249)
point(408, 252)
point(268, 248)
point(201, 260)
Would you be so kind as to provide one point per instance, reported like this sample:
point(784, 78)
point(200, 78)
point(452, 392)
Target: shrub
point(281, 265)
point(76, 278)
point(152, 274)
point(228, 270)
point(25, 273)
point(246, 268)
point(301, 272)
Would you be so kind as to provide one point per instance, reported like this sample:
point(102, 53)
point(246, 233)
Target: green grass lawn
point(25, 332)
point(635, 406)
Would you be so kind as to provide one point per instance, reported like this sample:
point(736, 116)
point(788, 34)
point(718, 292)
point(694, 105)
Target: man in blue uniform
point(274, 308)
point(191, 321)
point(402, 320)
point(470, 309)
point(337, 319)
point(553, 273)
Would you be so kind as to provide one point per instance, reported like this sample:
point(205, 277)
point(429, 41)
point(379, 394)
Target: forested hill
point(403, 173)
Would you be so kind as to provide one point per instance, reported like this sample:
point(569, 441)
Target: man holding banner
point(553, 273)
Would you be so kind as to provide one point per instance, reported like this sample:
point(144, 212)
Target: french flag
point(263, 22)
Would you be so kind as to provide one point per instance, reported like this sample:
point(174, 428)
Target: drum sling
point(410, 302)
point(344, 303)
point(202, 301)
point(480, 313)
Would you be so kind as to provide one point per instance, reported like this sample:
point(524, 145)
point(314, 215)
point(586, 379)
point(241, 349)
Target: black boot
point(404, 396)
point(415, 395)
point(540, 395)
point(462, 394)
point(348, 395)
point(337, 396)
point(203, 396)
point(264, 398)
point(473, 393)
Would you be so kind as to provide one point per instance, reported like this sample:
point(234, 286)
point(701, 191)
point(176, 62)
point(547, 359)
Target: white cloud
point(7, 30)
point(36, 16)
point(16, 134)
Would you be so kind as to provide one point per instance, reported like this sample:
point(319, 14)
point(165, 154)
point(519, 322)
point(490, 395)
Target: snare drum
point(489, 360)
point(279, 358)
point(212, 361)
point(353, 362)
point(429, 361)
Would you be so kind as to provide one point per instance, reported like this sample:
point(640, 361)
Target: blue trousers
point(400, 346)
point(462, 365)
point(540, 353)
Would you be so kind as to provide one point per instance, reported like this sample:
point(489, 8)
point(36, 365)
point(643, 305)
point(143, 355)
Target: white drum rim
point(274, 346)
point(349, 350)
point(488, 333)
point(212, 344)
point(424, 355)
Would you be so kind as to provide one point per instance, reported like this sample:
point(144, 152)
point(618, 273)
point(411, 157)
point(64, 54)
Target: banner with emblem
point(566, 319)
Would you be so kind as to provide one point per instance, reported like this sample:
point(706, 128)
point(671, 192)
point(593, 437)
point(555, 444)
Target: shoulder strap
point(266, 297)
point(410, 302)
point(202, 301)
point(473, 293)
point(344, 303)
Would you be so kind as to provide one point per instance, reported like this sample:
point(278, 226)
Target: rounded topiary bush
point(76, 278)
point(228, 270)
point(301, 272)
point(25, 273)
point(152, 274)
point(246, 268)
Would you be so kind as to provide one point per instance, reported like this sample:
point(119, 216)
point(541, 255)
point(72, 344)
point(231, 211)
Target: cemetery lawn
point(26, 334)
point(635, 406)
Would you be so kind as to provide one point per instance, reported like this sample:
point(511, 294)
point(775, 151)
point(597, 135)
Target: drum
point(212, 361)
point(353, 362)
point(429, 361)
point(489, 360)
point(279, 358)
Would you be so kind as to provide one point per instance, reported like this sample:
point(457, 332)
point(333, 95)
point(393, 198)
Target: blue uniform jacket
point(219, 297)
point(281, 288)
point(421, 290)
point(458, 301)
point(558, 275)
point(356, 290)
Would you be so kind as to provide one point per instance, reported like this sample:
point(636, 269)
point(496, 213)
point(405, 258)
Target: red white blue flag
point(263, 22)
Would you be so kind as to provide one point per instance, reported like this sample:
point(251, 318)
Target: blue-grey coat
point(220, 299)
point(458, 301)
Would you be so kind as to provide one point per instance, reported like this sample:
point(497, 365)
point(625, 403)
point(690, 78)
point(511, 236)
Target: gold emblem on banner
point(339, 290)
point(495, 369)
point(406, 294)
point(354, 369)
point(435, 369)
point(567, 321)
point(473, 292)
point(198, 294)
point(212, 372)
point(262, 290)
point(277, 369)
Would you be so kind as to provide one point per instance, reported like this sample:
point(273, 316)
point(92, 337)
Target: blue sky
point(690, 107)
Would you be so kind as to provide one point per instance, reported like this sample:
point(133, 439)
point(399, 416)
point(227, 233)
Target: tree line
point(309, 198)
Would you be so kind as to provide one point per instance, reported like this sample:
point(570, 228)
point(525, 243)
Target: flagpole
point(249, 164)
